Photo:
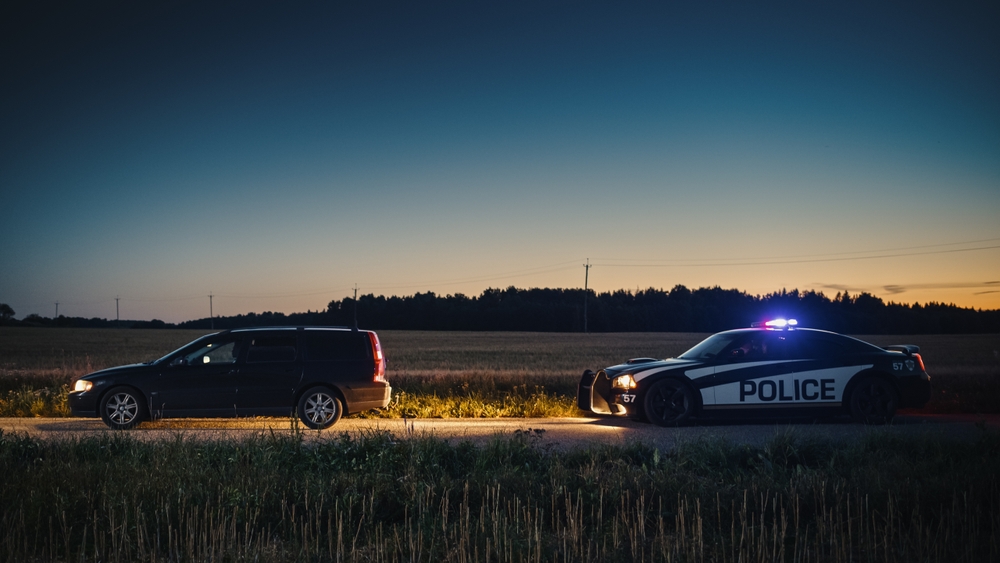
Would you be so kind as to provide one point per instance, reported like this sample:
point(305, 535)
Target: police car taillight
point(920, 361)
point(379, 358)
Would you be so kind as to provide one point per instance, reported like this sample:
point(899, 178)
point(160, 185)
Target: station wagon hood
point(117, 370)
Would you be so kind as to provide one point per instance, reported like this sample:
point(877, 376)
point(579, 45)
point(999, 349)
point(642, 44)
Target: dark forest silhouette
point(561, 310)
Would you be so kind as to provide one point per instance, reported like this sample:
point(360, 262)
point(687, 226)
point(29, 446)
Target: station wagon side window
point(214, 353)
point(272, 349)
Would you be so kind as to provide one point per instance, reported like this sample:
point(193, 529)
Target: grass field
point(274, 497)
point(457, 374)
point(271, 498)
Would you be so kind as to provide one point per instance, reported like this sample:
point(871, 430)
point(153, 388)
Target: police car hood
point(659, 365)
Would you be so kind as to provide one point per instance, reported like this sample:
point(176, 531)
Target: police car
point(772, 368)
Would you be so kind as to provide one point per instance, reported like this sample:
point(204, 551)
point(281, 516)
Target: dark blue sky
point(277, 155)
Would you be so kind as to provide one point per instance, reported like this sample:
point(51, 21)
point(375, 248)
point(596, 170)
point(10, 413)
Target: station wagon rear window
point(325, 346)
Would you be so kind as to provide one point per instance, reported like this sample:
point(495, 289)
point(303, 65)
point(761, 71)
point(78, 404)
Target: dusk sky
point(276, 154)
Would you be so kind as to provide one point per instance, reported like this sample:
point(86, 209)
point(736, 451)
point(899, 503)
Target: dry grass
point(523, 353)
point(459, 373)
point(272, 498)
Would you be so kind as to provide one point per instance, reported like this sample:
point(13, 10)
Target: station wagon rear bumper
point(372, 396)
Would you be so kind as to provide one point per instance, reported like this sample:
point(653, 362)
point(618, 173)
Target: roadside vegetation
point(458, 374)
point(274, 497)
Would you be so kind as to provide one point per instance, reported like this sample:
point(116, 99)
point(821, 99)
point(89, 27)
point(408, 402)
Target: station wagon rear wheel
point(873, 401)
point(320, 408)
point(668, 403)
point(122, 408)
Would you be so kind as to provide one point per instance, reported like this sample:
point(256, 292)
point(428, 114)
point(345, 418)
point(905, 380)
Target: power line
point(809, 256)
point(766, 262)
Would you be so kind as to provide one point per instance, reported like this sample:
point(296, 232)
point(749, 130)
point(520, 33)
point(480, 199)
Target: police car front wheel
point(669, 402)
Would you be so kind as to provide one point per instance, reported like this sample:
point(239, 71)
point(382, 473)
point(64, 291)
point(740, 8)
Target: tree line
point(679, 309)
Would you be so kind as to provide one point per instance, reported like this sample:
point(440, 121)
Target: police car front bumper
point(624, 403)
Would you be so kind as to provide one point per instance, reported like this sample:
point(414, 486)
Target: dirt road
point(558, 433)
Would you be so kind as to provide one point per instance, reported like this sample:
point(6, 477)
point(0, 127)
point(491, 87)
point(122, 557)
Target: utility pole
point(211, 316)
point(118, 317)
point(586, 278)
point(355, 306)
point(57, 309)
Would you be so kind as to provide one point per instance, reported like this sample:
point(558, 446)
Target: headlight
point(83, 385)
point(623, 382)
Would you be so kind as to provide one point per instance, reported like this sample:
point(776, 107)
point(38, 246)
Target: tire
point(669, 402)
point(873, 401)
point(319, 408)
point(122, 408)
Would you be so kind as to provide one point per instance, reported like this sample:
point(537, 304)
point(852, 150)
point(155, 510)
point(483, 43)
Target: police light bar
point(776, 323)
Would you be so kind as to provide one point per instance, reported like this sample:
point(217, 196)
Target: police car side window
point(749, 347)
point(779, 346)
point(818, 347)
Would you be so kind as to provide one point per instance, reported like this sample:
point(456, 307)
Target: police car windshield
point(710, 347)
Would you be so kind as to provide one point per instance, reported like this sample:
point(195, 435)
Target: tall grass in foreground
point(273, 498)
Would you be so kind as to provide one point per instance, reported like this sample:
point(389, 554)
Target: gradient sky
point(277, 155)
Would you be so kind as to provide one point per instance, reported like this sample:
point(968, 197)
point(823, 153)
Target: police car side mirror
point(178, 362)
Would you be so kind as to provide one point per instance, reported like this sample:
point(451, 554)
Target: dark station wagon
point(317, 373)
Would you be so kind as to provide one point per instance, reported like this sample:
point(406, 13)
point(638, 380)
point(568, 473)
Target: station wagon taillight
point(379, 358)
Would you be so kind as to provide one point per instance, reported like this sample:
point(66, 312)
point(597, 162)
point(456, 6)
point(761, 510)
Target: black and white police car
point(773, 368)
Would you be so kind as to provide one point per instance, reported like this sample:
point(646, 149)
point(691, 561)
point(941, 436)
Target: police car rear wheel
point(669, 403)
point(873, 401)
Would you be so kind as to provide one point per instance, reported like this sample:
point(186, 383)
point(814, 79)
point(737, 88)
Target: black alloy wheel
point(669, 402)
point(873, 401)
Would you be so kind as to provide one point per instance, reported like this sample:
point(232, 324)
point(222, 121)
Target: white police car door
point(757, 371)
point(782, 369)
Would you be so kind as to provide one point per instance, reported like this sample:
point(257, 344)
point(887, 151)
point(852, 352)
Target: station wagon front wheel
point(320, 408)
point(122, 408)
